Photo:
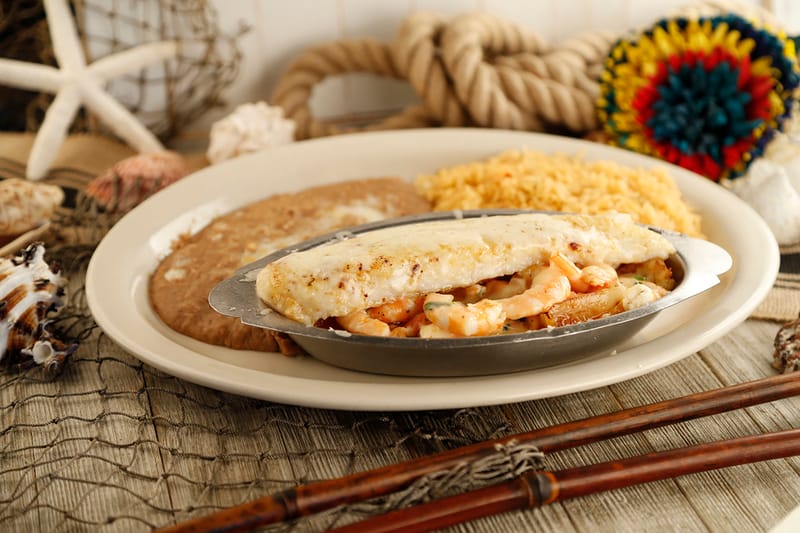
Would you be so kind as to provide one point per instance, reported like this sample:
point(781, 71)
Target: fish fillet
point(381, 266)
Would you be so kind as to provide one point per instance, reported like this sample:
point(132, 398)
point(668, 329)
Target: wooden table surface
point(116, 445)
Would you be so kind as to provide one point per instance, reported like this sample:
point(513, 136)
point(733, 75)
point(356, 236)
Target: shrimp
point(470, 294)
point(398, 311)
point(497, 289)
point(515, 326)
point(640, 293)
point(628, 294)
point(412, 327)
point(360, 322)
point(498, 305)
point(588, 278)
point(432, 331)
point(466, 320)
point(654, 270)
point(549, 287)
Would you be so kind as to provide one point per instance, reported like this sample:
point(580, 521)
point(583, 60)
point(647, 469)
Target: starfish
point(76, 83)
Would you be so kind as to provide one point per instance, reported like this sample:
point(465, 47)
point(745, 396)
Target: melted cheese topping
point(381, 266)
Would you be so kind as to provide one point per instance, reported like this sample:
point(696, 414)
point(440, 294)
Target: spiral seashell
point(130, 181)
point(26, 204)
point(30, 293)
point(250, 128)
point(786, 357)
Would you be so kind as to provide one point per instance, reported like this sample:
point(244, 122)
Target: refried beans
point(180, 285)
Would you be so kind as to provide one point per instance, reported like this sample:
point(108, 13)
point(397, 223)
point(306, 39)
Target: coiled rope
point(474, 70)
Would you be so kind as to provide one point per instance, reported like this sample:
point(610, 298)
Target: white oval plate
point(118, 275)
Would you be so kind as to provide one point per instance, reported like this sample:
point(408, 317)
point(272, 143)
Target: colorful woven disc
point(705, 94)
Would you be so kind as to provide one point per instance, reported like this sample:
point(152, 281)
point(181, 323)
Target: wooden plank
point(745, 354)
point(608, 511)
point(721, 500)
point(217, 449)
point(212, 449)
point(18, 477)
point(89, 451)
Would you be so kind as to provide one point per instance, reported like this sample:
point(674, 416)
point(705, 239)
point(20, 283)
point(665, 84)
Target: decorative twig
point(312, 498)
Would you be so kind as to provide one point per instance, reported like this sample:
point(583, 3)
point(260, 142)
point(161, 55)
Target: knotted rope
point(474, 70)
point(293, 91)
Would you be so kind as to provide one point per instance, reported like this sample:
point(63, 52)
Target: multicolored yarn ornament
point(707, 94)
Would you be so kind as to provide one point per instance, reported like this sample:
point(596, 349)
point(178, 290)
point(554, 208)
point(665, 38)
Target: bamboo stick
point(536, 489)
point(312, 498)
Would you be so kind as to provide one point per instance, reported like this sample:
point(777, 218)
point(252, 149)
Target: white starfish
point(75, 83)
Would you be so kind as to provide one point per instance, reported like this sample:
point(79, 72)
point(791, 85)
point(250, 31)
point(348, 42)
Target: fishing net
point(165, 97)
point(114, 443)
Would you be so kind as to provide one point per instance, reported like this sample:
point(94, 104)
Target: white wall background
point(280, 30)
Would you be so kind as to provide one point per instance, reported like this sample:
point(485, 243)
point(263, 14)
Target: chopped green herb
point(429, 306)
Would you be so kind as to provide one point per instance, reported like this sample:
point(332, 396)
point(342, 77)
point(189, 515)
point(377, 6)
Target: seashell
point(773, 193)
point(10, 245)
point(786, 357)
point(130, 181)
point(250, 128)
point(25, 206)
point(30, 293)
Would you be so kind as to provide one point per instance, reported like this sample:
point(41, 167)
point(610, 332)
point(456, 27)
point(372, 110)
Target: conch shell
point(25, 205)
point(30, 293)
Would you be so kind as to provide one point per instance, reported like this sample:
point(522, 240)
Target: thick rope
point(467, 43)
point(475, 70)
point(293, 91)
point(416, 52)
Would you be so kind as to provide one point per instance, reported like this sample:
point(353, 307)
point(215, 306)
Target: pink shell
point(132, 180)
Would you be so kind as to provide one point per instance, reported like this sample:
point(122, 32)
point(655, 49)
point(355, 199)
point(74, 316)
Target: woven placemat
point(783, 301)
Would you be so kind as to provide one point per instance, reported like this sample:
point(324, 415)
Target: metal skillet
point(696, 266)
